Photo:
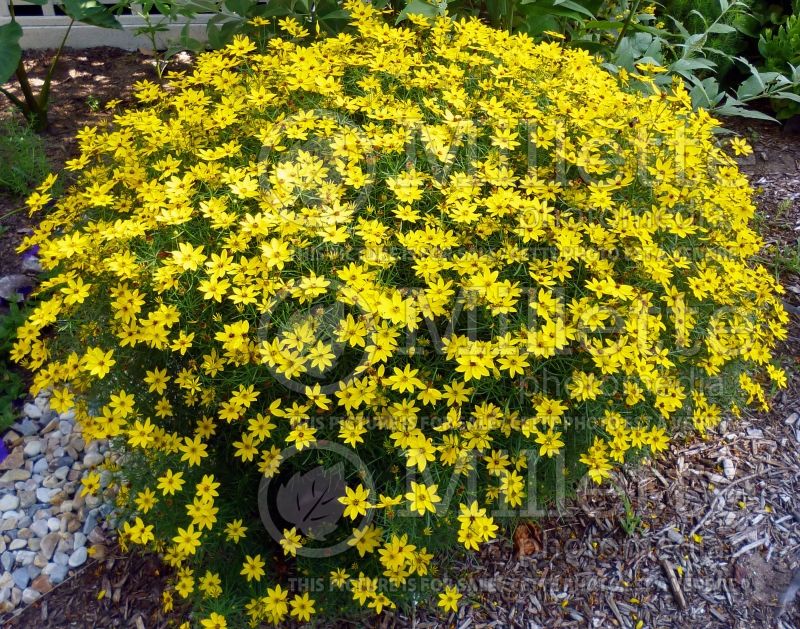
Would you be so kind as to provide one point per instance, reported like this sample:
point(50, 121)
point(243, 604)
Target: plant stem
point(44, 95)
point(11, 213)
point(30, 107)
point(627, 23)
point(25, 86)
point(14, 100)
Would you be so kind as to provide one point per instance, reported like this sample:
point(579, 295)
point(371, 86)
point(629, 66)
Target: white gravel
point(47, 529)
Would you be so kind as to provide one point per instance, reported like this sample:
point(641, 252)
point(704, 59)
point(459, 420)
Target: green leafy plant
point(696, 15)
point(261, 20)
point(780, 50)
point(12, 385)
point(32, 104)
point(23, 163)
point(690, 56)
point(630, 521)
point(627, 34)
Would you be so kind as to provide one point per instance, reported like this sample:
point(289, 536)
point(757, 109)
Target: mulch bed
point(719, 538)
point(122, 590)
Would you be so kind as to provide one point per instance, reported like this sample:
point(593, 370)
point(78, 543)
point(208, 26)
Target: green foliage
point(10, 51)
point(529, 16)
point(12, 387)
point(780, 49)
point(630, 521)
point(696, 15)
point(23, 164)
point(236, 17)
point(701, 48)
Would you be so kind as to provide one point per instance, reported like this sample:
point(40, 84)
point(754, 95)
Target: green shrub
point(23, 163)
point(696, 15)
point(780, 50)
point(12, 386)
point(385, 292)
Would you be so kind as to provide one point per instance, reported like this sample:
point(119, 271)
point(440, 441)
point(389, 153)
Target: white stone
point(32, 264)
point(42, 401)
point(92, 459)
point(32, 411)
point(25, 557)
point(29, 595)
point(9, 502)
point(39, 528)
point(51, 426)
point(80, 540)
point(50, 482)
point(43, 494)
point(56, 572)
point(17, 544)
point(78, 558)
point(49, 543)
point(40, 467)
point(54, 524)
point(15, 475)
point(32, 448)
point(21, 577)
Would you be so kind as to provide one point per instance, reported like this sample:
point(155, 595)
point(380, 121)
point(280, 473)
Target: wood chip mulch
point(121, 590)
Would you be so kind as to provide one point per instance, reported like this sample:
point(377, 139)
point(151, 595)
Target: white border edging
point(47, 30)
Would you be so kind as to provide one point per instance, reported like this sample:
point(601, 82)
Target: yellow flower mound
point(457, 253)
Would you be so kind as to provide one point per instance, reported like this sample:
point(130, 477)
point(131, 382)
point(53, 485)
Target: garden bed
point(723, 512)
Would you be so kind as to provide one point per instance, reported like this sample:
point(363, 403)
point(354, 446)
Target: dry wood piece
point(674, 584)
point(527, 539)
point(748, 547)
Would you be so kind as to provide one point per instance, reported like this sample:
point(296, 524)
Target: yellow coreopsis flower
point(291, 541)
point(235, 530)
point(253, 568)
point(422, 498)
point(187, 540)
point(170, 482)
point(355, 502)
point(214, 621)
point(448, 600)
